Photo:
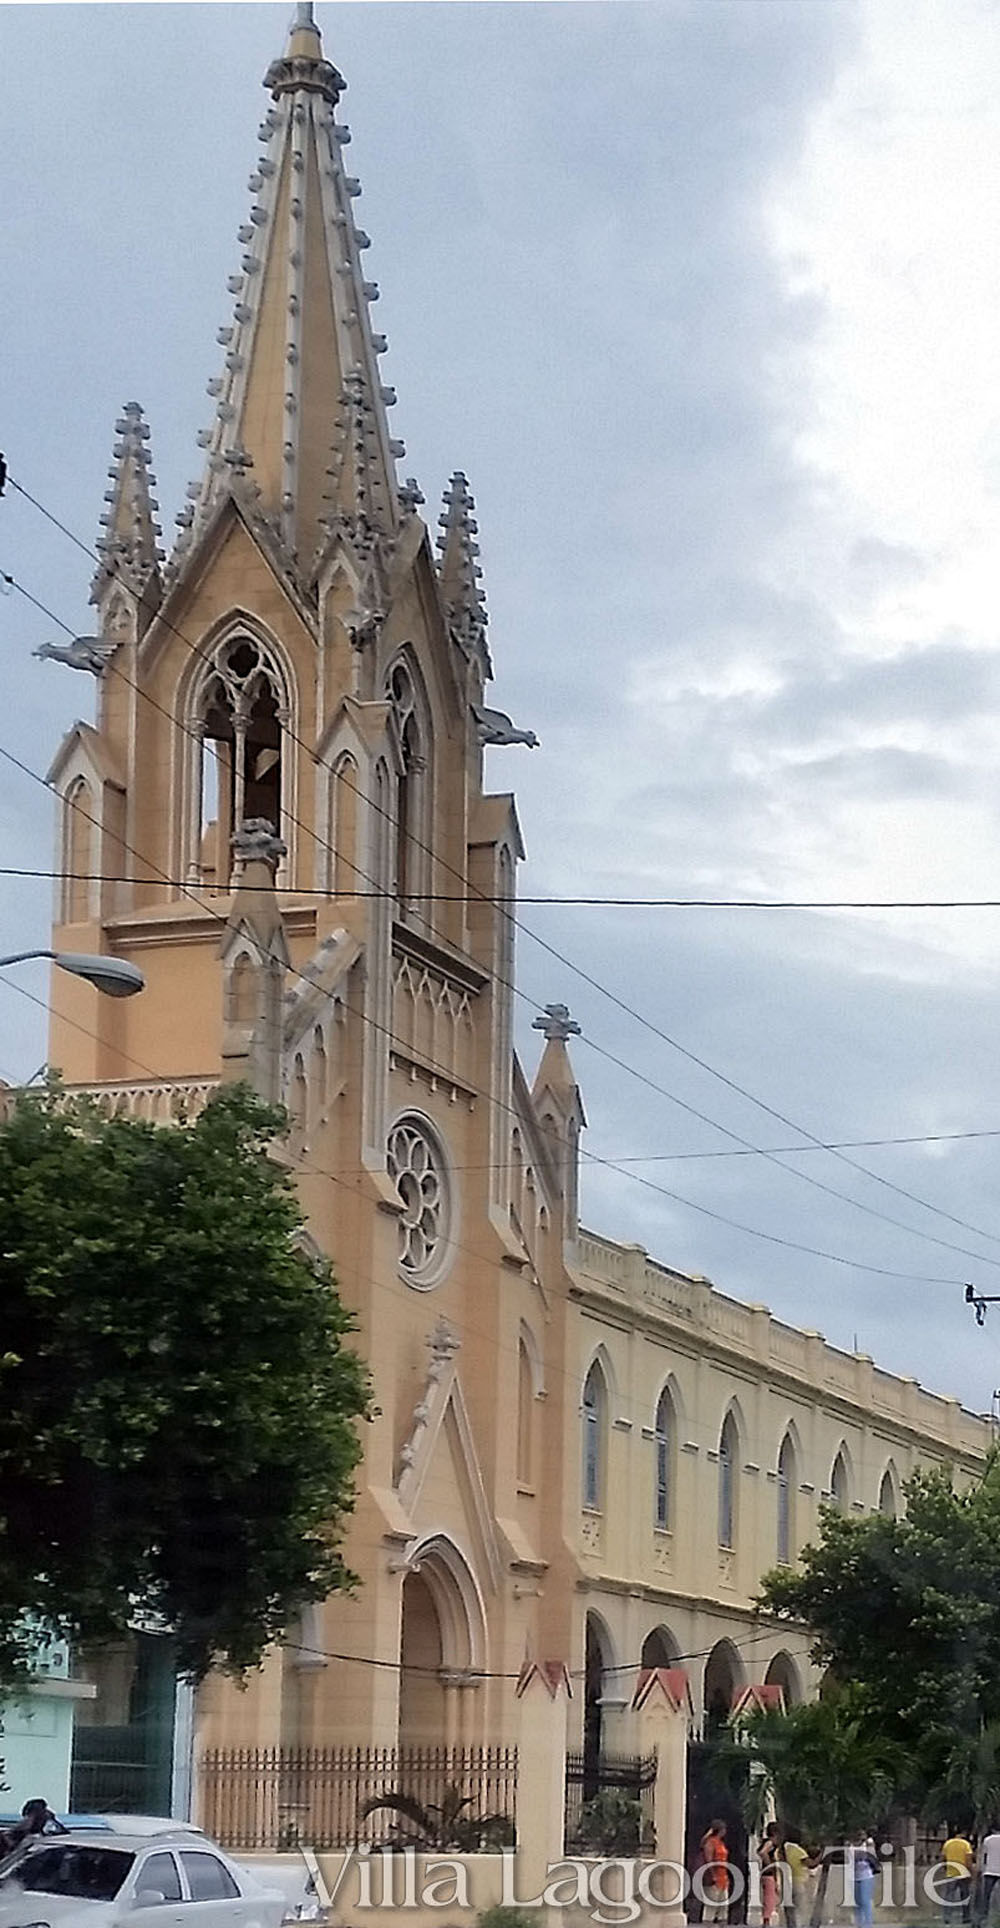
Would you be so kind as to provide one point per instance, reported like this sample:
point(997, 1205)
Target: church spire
point(130, 533)
point(300, 387)
point(459, 571)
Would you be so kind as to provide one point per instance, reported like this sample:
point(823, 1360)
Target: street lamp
point(115, 976)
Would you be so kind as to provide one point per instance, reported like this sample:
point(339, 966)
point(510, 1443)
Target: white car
point(156, 1880)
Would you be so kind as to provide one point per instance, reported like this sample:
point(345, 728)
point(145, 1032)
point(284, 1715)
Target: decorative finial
point(443, 1342)
point(256, 839)
point(302, 67)
point(556, 1024)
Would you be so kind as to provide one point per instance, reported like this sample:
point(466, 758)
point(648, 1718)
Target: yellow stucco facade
point(280, 816)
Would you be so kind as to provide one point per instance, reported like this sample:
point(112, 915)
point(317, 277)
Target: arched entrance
point(596, 1661)
point(659, 1649)
point(782, 1672)
point(723, 1677)
point(421, 1654)
point(714, 1791)
point(442, 1647)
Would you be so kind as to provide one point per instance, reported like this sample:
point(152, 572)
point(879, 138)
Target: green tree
point(908, 1612)
point(179, 1405)
point(828, 1772)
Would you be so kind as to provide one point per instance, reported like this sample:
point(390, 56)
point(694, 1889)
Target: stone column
point(662, 1704)
point(543, 1691)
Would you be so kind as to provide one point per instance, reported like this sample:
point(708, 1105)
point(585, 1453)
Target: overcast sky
point(704, 298)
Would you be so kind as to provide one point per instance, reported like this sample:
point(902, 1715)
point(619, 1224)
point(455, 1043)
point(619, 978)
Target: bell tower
point(281, 816)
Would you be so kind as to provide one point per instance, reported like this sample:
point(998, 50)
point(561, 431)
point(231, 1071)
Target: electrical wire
point(804, 1177)
point(591, 902)
point(586, 977)
point(575, 1673)
point(591, 1157)
point(746, 1148)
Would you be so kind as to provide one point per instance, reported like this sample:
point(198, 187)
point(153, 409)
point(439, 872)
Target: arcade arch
point(724, 1676)
point(782, 1672)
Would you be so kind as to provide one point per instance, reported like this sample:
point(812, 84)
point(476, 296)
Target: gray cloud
point(567, 205)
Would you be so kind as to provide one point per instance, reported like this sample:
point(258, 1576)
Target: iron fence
point(588, 1816)
point(450, 1799)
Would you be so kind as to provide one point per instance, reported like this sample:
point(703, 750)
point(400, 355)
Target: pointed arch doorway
point(596, 1661)
point(442, 1648)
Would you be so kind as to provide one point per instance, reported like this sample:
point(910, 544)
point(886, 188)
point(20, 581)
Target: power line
point(575, 1673)
point(804, 1177)
point(733, 1085)
point(591, 902)
point(705, 1211)
point(304, 1171)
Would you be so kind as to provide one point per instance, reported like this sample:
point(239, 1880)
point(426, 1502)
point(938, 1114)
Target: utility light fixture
point(115, 976)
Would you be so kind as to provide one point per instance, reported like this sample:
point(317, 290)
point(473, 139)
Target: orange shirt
point(716, 1856)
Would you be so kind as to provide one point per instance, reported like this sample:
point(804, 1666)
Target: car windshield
point(83, 1873)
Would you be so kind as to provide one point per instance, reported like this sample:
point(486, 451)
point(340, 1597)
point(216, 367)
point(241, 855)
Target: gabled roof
point(96, 751)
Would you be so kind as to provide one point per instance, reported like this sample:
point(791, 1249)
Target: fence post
point(542, 1691)
point(662, 1703)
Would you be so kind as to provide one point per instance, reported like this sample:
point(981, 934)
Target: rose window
point(417, 1170)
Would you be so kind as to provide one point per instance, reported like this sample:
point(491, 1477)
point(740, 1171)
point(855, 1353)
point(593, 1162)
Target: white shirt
point(990, 1854)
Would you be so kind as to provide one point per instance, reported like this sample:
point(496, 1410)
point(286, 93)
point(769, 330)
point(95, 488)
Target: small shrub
point(611, 1823)
point(508, 1917)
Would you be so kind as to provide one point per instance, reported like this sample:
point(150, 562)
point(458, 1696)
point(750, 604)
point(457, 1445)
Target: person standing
point(989, 1868)
point(769, 1857)
point(796, 1894)
point(865, 1867)
point(957, 1857)
point(715, 1873)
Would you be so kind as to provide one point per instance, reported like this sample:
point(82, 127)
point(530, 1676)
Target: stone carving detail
point(255, 838)
point(417, 1170)
point(84, 652)
point(592, 1533)
point(663, 1552)
point(495, 726)
point(433, 1018)
point(556, 1023)
point(443, 1344)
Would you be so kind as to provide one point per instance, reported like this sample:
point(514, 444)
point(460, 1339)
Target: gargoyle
point(492, 726)
point(84, 652)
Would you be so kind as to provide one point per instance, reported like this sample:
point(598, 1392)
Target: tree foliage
point(829, 1773)
point(908, 1612)
point(179, 1404)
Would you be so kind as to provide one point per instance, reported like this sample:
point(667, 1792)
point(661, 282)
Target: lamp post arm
point(23, 957)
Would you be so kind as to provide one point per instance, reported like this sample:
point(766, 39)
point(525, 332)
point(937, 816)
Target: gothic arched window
point(663, 1442)
point(595, 1408)
point(342, 828)
point(240, 719)
point(839, 1484)
point(729, 1449)
point(79, 843)
point(411, 826)
point(887, 1497)
point(525, 1415)
point(786, 1502)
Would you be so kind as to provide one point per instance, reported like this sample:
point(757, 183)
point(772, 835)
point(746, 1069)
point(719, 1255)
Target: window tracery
point(240, 718)
point(417, 1169)
point(411, 828)
point(663, 1439)
point(594, 1408)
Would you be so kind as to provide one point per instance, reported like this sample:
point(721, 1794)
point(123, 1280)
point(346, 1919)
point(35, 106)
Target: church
point(580, 1456)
